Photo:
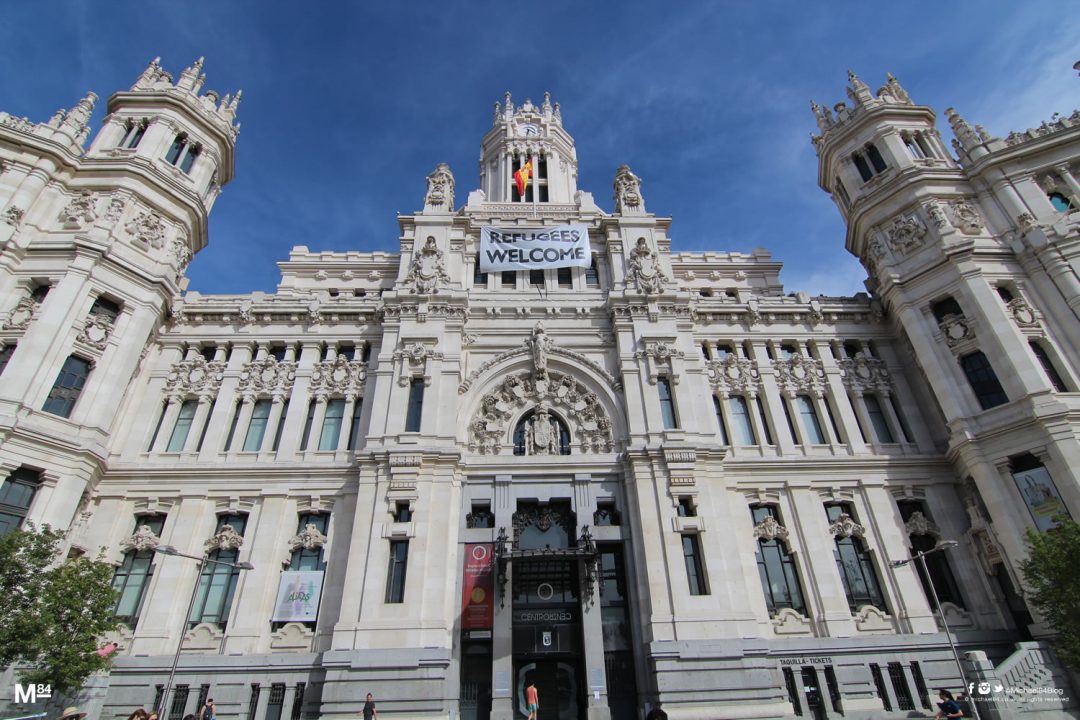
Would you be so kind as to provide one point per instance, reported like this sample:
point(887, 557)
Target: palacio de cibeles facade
point(539, 443)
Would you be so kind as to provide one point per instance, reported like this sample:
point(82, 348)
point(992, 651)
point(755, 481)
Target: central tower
point(523, 135)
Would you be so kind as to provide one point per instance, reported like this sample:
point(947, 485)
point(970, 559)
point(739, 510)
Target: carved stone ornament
point(845, 526)
point(95, 332)
point(226, 539)
point(734, 375)
point(1022, 313)
point(540, 346)
point(1026, 222)
point(957, 329)
point(309, 538)
point(79, 211)
point(440, 188)
point(589, 426)
point(339, 376)
point(267, 376)
point(147, 229)
point(966, 217)
point(178, 248)
point(143, 539)
point(645, 268)
point(414, 357)
point(905, 234)
point(628, 192)
point(800, 375)
point(660, 351)
point(543, 518)
point(194, 377)
point(936, 214)
point(13, 215)
point(769, 529)
point(23, 312)
point(865, 374)
point(115, 207)
point(917, 524)
point(542, 433)
point(428, 269)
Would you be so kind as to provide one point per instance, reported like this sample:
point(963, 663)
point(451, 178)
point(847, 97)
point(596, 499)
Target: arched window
point(528, 441)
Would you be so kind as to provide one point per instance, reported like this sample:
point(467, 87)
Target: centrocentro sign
point(558, 246)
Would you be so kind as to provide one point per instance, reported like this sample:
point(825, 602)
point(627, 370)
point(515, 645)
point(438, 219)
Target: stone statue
point(440, 189)
point(541, 345)
point(628, 192)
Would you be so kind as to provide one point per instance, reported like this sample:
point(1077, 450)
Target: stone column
point(265, 548)
point(824, 582)
point(502, 645)
point(217, 431)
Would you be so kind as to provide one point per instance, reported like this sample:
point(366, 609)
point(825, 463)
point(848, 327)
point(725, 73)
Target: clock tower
point(528, 139)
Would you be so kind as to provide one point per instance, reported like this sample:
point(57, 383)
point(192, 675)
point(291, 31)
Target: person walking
point(369, 708)
point(948, 707)
point(532, 701)
point(139, 714)
point(208, 711)
point(656, 713)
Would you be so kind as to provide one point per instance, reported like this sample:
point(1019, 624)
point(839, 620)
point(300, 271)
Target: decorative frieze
point(267, 377)
point(195, 377)
point(862, 374)
point(339, 377)
point(800, 375)
point(734, 376)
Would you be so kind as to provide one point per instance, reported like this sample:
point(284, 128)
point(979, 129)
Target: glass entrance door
point(557, 688)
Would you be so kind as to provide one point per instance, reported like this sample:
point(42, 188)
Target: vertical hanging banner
point(478, 587)
point(1041, 496)
point(558, 246)
point(298, 596)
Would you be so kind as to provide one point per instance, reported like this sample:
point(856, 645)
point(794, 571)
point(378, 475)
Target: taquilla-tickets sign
point(534, 248)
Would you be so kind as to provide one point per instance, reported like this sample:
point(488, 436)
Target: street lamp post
point(921, 558)
point(203, 561)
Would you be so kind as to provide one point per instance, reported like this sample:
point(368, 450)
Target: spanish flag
point(521, 177)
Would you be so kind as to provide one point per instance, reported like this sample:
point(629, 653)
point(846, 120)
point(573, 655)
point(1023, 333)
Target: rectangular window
point(260, 416)
point(875, 158)
point(983, 380)
point(808, 415)
point(305, 558)
point(307, 425)
point(217, 583)
point(16, 495)
point(182, 427)
point(720, 420)
point(331, 428)
point(686, 507)
point(479, 277)
point(1048, 366)
point(592, 274)
point(695, 573)
point(157, 427)
point(416, 405)
point(232, 426)
point(69, 384)
point(106, 309)
point(179, 702)
point(275, 702)
point(905, 431)
point(764, 420)
point(920, 685)
point(536, 277)
point(253, 701)
point(855, 564)
point(776, 567)
point(204, 694)
point(900, 686)
point(565, 277)
point(175, 149)
point(879, 684)
point(480, 516)
point(742, 431)
point(354, 424)
point(667, 403)
point(792, 690)
point(298, 702)
point(281, 425)
point(395, 577)
point(132, 576)
point(6, 352)
point(508, 278)
point(861, 165)
point(878, 419)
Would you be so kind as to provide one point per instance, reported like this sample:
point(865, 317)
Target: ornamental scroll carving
point(770, 529)
point(865, 374)
point(628, 199)
point(800, 375)
point(143, 539)
point(194, 377)
point(339, 376)
point(413, 358)
point(266, 377)
point(957, 329)
point(917, 524)
point(552, 349)
point(544, 518)
point(24, 311)
point(589, 426)
point(734, 376)
point(148, 230)
point(308, 539)
point(658, 355)
point(645, 268)
point(845, 526)
point(428, 270)
point(1023, 314)
point(440, 188)
point(226, 539)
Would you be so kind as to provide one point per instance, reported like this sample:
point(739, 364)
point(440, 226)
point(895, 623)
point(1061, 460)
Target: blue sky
point(348, 106)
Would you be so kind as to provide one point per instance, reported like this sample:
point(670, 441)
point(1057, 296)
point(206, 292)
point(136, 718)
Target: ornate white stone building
point(662, 476)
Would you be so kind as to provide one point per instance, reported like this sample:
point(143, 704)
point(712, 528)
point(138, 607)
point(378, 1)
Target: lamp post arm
point(183, 634)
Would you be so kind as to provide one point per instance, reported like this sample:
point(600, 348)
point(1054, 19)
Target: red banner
point(478, 587)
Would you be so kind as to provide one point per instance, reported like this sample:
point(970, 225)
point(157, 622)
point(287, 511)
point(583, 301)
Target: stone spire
point(965, 136)
point(859, 92)
point(192, 77)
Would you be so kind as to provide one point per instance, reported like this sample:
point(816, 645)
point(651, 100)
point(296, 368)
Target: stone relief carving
point(861, 374)
point(1022, 313)
point(936, 214)
point(613, 382)
point(734, 375)
point(957, 330)
point(143, 539)
point(800, 375)
point(95, 331)
point(770, 529)
point(309, 538)
point(627, 192)
point(147, 229)
point(267, 376)
point(966, 217)
point(194, 377)
point(428, 270)
point(115, 207)
point(178, 248)
point(645, 268)
point(440, 188)
point(589, 425)
point(845, 526)
point(23, 312)
point(414, 356)
point(542, 433)
point(540, 346)
point(339, 376)
point(905, 234)
point(917, 524)
point(13, 215)
point(79, 211)
point(226, 539)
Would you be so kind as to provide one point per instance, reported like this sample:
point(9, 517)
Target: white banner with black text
point(534, 248)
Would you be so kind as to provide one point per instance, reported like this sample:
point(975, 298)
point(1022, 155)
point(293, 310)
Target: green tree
point(55, 610)
point(1051, 574)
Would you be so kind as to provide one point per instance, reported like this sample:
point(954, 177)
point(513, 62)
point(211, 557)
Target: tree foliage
point(55, 610)
point(1051, 573)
